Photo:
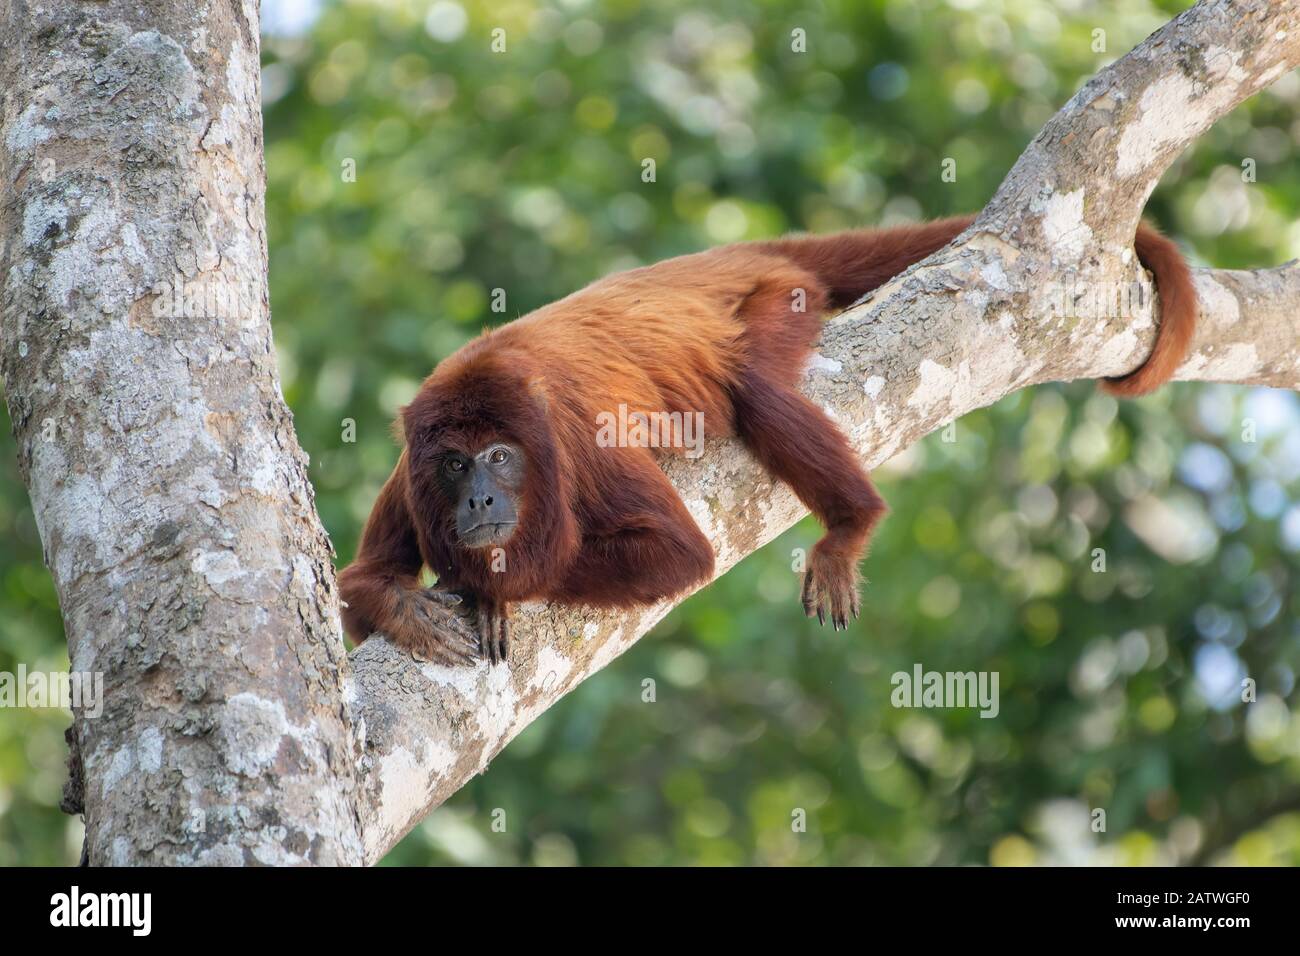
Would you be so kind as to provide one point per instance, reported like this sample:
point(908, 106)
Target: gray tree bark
point(172, 497)
point(168, 486)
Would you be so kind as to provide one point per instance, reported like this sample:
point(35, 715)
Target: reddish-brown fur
point(717, 332)
point(1178, 308)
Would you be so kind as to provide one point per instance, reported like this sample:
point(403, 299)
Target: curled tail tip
point(1178, 312)
point(1173, 342)
point(1132, 386)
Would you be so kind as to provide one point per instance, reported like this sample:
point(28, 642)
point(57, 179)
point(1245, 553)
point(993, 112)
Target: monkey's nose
point(483, 502)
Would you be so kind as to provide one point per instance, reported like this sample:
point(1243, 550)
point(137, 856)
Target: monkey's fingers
point(486, 645)
point(460, 656)
point(838, 589)
point(814, 597)
point(450, 628)
point(449, 598)
point(809, 595)
point(494, 635)
point(503, 638)
point(451, 647)
point(840, 601)
point(427, 645)
point(830, 589)
point(432, 653)
point(446, 628)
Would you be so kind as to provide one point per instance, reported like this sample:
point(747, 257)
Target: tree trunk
point(168, 486)
point(172, 496)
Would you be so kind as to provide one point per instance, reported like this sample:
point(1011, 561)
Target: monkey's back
point(662, 338)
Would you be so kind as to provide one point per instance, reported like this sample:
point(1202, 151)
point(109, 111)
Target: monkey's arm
point(798, 444)
point(381, 588)
point(641, 545)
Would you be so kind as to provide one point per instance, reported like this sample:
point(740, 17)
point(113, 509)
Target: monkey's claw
point(494, 633)
point(830, 588)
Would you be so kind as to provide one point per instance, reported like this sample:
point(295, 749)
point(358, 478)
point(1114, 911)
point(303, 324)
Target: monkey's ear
point(398, 428)
point(407, 423)
point(536, 385)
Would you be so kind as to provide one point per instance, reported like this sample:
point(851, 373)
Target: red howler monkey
point(505, 493)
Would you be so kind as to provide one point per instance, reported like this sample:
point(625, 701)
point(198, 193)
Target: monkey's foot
point(428, 625)
point(494, 632)
point(830, 587)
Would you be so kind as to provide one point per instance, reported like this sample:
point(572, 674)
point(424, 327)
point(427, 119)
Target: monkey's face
point(484, 470)
point(486, 487)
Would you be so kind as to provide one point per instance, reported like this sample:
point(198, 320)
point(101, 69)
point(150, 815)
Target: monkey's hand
point(428, 624)
point(830, 586)
point(493, 620)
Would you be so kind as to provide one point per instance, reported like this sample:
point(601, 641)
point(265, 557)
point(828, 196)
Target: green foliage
point(523, 171)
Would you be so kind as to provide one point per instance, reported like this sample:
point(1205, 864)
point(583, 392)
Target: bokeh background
point(475, 170)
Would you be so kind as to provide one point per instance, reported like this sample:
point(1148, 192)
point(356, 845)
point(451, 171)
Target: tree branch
point(1104, 152)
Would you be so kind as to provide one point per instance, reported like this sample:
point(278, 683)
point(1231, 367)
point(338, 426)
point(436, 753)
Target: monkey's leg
point(641, 546)
point(797, 443)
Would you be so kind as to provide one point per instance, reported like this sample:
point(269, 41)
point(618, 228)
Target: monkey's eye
point(455, 465)
point(499, 456)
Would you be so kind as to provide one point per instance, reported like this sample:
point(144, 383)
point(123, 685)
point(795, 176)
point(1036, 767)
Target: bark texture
point(172, 497)
point(168, 485)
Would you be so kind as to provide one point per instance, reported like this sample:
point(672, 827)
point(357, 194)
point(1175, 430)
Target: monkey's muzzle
point(486, 535)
